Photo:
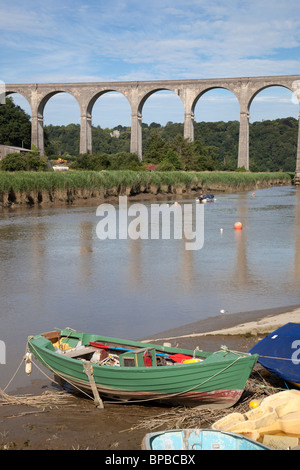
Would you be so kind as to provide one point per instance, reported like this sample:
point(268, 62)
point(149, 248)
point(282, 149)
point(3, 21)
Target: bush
point(13, 162)
point(30, 161)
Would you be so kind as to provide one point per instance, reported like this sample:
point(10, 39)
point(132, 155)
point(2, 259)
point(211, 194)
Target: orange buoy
point(238, 226)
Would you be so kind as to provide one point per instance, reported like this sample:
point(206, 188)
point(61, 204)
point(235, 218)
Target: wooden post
point(88, 369)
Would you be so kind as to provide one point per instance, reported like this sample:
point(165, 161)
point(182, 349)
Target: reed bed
point(47, 399)
point(113, 183)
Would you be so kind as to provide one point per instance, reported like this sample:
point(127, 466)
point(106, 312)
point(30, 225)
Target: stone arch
point(287, 85)
point(149, 93)
point(22, 93)
point(229, 92)
point(206, 90)
point(86, 145)
point(44, 100)
point(136, 118)
point(260, 89)
point(190, 103)
point(98, 95)
point(38, 116)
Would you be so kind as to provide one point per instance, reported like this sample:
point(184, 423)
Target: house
point(7, 149)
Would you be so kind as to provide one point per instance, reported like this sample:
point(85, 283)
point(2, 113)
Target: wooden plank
point(79, 352)
point(88, 369)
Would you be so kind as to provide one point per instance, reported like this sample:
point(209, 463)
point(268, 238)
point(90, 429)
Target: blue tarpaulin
point(279, 352)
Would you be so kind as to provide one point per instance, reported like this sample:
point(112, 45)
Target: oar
point(105, 346)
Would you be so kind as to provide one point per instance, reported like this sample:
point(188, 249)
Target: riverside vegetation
point(69, 187)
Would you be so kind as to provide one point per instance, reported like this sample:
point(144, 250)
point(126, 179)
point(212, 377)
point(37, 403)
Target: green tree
point(156, 147)
point(15, 125)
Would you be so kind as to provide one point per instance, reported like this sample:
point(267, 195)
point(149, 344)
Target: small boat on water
point(205, 198)
point(199, 439)
point(279, 353)
point(127, 371)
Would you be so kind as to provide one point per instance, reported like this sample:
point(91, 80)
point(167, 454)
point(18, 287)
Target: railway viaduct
point(137, 92)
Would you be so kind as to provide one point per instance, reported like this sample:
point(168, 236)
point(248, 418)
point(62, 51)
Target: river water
point(56, 272)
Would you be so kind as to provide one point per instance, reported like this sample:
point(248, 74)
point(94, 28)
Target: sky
point(124, 40)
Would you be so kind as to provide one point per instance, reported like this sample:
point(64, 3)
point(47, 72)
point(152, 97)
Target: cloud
point(96, 41)
point(158, 39)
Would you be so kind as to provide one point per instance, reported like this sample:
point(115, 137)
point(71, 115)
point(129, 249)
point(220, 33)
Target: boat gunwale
point(158, 349)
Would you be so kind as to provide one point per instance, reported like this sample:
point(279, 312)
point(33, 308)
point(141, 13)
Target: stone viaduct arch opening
point(60, 108)
point(109, 113)
point(268, 105)
point(218, 109)
point(160, 108)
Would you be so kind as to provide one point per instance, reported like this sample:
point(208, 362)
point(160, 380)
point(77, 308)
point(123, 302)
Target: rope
point(56, 373)
point(169, 395)
point(280, 358)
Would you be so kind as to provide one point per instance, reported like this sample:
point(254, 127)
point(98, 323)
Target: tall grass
point(72, 180)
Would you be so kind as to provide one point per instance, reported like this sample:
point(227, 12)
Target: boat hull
point(216, 382)
point(279, 353)
point(214, 399)
point(198, 439)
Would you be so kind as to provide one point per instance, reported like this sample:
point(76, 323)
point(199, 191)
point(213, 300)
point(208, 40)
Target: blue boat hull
point(199, 439)
point(279, 352)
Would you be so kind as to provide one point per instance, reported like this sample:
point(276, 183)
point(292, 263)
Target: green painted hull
point(217, 381)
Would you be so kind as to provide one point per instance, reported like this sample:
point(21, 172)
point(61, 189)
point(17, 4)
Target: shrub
point(30, 161)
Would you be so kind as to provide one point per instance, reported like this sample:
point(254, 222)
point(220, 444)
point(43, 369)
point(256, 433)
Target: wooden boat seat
point(79, 352)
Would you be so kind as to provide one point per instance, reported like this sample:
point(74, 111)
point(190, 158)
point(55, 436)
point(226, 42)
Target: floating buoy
point(221, 230)
point(253, 194)
point(238, 226)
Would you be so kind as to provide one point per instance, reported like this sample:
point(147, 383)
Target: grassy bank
point(50, 187)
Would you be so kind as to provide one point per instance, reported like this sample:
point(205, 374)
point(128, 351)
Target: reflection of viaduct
point(86, 94)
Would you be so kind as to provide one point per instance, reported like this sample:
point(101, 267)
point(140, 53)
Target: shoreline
point(251, 324)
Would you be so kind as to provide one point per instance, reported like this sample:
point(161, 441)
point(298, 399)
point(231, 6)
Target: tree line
point(273, 144)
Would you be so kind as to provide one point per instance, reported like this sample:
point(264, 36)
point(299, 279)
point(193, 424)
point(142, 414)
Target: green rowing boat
point(125, 370)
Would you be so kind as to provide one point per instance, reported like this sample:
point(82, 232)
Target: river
point(56, 272)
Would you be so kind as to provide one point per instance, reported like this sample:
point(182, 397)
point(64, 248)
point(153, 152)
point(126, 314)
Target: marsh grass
point(133, 182)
